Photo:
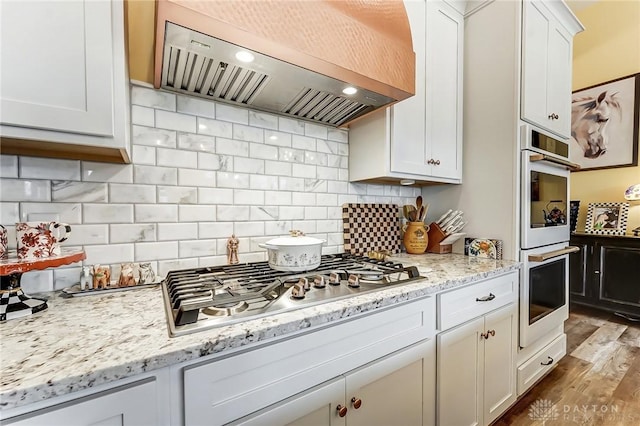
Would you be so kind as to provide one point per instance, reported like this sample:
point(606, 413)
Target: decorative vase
point(415, 237)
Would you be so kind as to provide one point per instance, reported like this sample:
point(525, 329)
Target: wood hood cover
point(306, 52)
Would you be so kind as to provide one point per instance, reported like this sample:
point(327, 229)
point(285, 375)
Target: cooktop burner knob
point(334, 278)
point(304, 283)
point(318, 281)
point(354, 281)
point(298, 291)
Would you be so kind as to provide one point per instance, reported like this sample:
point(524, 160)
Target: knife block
point(436, 235)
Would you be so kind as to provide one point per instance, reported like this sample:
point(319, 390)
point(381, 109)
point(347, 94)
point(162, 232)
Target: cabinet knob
point(356, 402)
point(553, 116)
point(549, 362)
point(342, 411)
point(487, 334)
point(437, 162)
point(430, 161)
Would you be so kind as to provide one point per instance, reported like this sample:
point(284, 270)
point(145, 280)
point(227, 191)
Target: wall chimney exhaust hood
point(324, 61)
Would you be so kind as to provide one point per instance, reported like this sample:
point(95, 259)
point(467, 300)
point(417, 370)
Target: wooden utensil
point(412, 215)
point(420, 213)
point(425, 208)
point(407, 209)
point(418, 202)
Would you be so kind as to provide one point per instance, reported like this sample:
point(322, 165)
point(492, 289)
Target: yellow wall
point(609, 48)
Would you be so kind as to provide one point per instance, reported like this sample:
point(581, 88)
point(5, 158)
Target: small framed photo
point(607, 218)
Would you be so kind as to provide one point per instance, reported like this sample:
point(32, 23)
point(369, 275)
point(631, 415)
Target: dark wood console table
point(605, 273)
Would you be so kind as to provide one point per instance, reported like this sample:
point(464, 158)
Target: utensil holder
point(436, 235)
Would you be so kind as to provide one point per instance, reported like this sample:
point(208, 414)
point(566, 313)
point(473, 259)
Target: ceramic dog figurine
point(129, 275)
point(101, 276)
point(86, 278)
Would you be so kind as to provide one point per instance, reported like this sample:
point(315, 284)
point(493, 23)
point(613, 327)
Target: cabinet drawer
point(541, 363)
point(228, 388)
point(459, 306)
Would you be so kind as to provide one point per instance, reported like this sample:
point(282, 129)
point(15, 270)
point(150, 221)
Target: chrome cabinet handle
point(437, 163)
point(548, 362)
point(550, 255)
point(491, 296)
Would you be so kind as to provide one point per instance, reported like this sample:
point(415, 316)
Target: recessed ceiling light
point(244, 56)
point(349, 90)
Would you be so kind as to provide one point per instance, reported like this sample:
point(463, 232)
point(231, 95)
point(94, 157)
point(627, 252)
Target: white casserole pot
point(296, 253)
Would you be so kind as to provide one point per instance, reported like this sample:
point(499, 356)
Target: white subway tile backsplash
point(337, 135)
point(264, 213)
point(231, 147)
point(199, 213)
point(153, 98)
point(201, 171)
point(303, 199)
point(232, 180)
point(197, 142)
point(48, 168)
point(198, 248)
point(290, 184)
point(153, 137)
point(89, 234)
point(248, 197)
point(132, 233)
point(248, 229)
point(303, 171)
point(128, 193)
point(303, 142)
point(247, 133)
point(278, 168)
point(156, 251)
point(248, 165)
point(214, 162)
point(231, 113)
point(263, 182)
point(65, 212)
point(196, 177)
point(142, 116)
point(194, 106)
point(165, 266)
point(214, 229)
point(143, 154)
point(291, 213)
point(37, 282)
point(215, 196)
point(291, 155)
point(271, 137)
point(8, 166)
point(66, 190)
point(177, 194)
point(177, 231)
point(232, 213)
point(278, 198)
point(215, 128)
point(107, 213)
point(154, 175)
point(177, 158)
point(9, 213)
point(25, 190)
point(105, 172)
point(266, 152)
point(174, 121)
point(107, 254)
point(290, 125)
point(263, 120)
point(156, 213)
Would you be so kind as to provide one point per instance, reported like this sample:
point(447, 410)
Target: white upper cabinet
point(546, 68)
point(64, 78)
point(419, 138)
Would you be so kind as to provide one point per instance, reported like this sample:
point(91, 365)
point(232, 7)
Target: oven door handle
point(551, 254)
point(568, 164)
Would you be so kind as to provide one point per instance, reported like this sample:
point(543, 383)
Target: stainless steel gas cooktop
point(202, 298)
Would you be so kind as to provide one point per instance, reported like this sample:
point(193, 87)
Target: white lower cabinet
point(396, 389)
point(135, 404)
point(476, 368)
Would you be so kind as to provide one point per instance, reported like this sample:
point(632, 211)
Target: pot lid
point(297, 238)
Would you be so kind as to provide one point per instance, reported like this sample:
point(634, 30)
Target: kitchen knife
point(439, 221)
point(458, 227)
point(451, 218)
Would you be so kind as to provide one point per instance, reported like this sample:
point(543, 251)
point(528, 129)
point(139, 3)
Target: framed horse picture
point(607, 218)
point(604, 124)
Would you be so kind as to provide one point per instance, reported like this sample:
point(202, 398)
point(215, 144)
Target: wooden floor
point(596, 383)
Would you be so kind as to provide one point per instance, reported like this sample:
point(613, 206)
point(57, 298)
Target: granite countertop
point(82, 342)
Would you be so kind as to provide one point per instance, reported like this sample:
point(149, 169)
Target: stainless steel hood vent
point(196, 64)
point(305, 53)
